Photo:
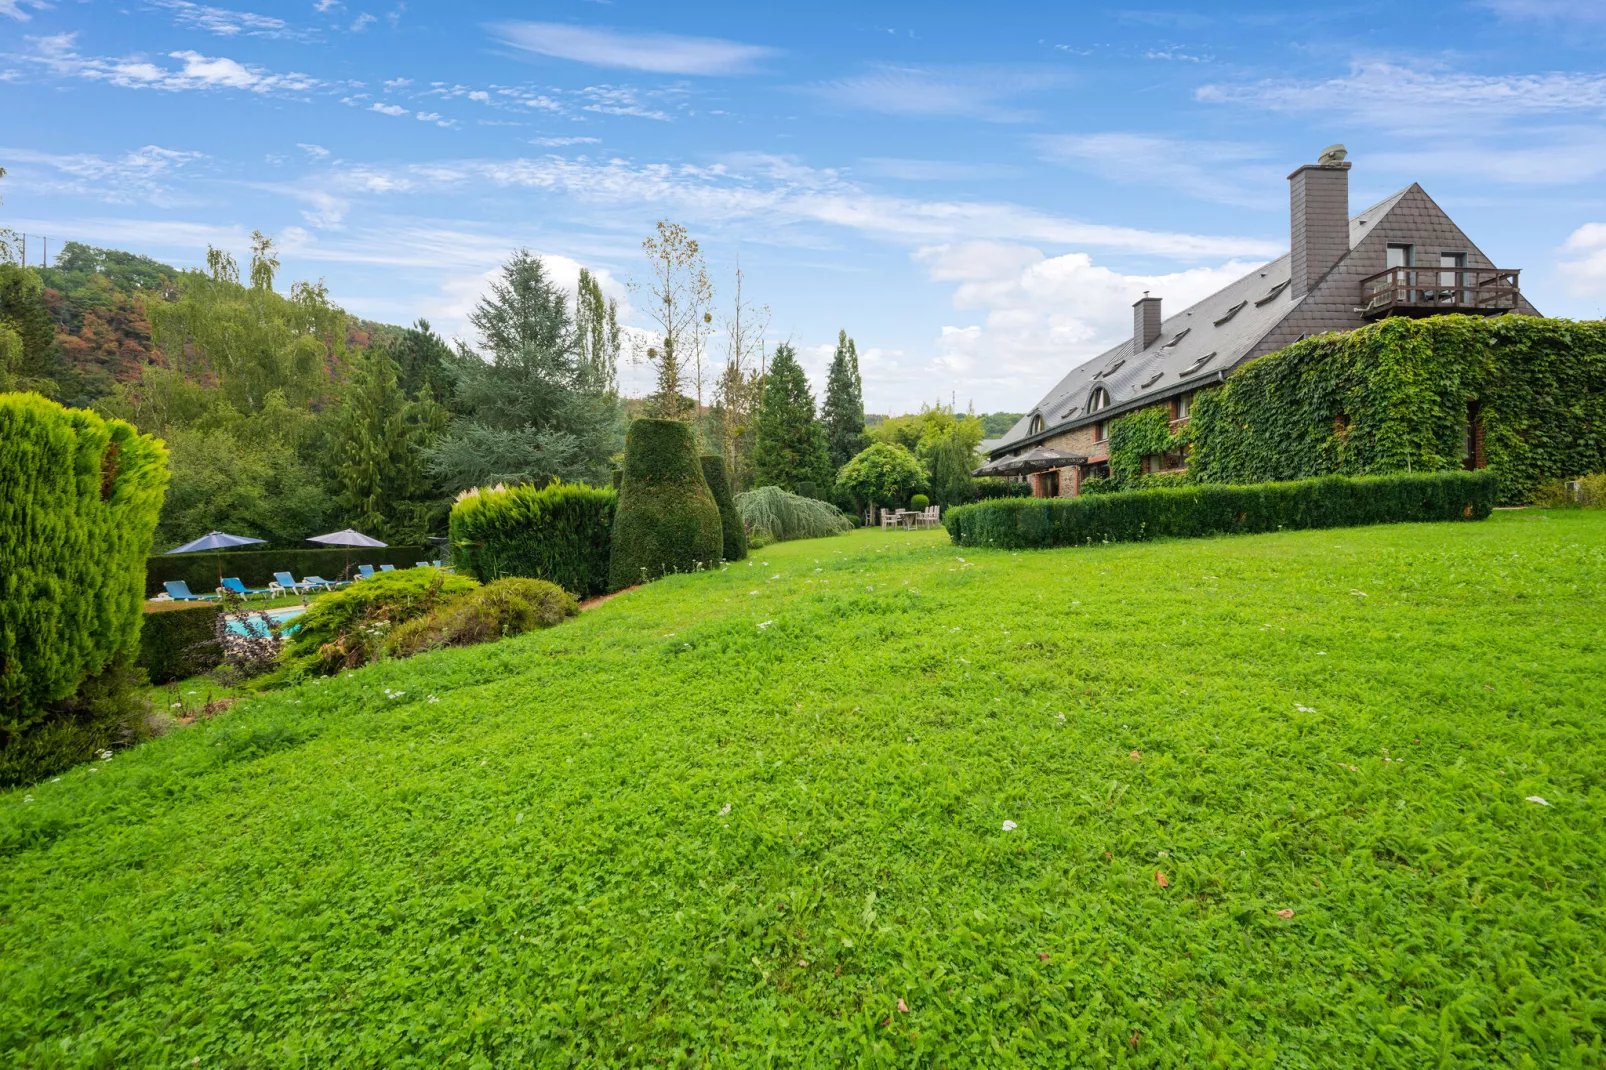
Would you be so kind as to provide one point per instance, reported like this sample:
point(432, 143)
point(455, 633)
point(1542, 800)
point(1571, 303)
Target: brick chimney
point(1145, 322)
point(1318, 197)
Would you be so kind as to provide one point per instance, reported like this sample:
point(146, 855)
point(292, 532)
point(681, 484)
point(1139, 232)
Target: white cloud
point(560, 142)
point(136, 176)
point(14, 8)
point(1584, 269)
point(389, 109)
point(397, 83)
point(323, 6)
point(362, 22)
point(1557, 11)
point(1042, 315)
point(429, 116)
point(614, 100)
point(930, 170)
point(317, 152)
point(57, 54)
point(226, 23)
point(1223, 171)
point(783, 194)
point(977, 93)
point(660, 53)
point(1394, 96)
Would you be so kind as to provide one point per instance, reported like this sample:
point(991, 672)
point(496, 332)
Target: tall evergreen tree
point(378, 455)
point(843, 411)
point(791, 446)
point(596, 322)
point(532, 410)
point(423, 359)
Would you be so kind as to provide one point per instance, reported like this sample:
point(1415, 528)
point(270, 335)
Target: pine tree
point(843, 411)
point(791, 447)
point(379, 470)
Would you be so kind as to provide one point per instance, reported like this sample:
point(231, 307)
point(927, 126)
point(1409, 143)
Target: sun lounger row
point(283, 583)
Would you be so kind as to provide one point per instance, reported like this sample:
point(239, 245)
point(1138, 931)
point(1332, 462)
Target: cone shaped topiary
point(730, 520)
point(666, 520)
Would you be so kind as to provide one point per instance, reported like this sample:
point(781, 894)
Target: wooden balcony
point(1416, 291)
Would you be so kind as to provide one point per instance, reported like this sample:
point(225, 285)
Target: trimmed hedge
point(1190, 512)
point(560, 533)
point(79, 498)
point(666, 520)
point(256, 567)
point(178, 640)
point(1394, 397)
point(730, 521)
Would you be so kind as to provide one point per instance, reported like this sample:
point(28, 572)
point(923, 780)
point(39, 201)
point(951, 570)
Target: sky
point(976, 193)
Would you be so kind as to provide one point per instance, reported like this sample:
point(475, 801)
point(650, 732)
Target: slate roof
point(1198, 345)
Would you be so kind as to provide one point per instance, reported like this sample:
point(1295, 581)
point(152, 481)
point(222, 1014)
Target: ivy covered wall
point(1393, 397)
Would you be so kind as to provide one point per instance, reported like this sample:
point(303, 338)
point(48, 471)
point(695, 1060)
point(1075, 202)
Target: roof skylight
point(1231, 312)
point(1196, 365)
point(1273, 292)
point(1173, 343)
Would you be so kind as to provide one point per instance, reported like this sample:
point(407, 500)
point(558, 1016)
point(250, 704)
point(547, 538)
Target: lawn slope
point(749, 817)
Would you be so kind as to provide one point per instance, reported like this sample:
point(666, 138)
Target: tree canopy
point(790, 447)
point(843, 410)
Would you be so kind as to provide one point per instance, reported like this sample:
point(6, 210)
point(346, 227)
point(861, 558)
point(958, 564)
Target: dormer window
point(1231, 312)
point(1099, 400)
point(1036, 424)
point(1196, 365)
point(1173, 343)
point(1272, 293)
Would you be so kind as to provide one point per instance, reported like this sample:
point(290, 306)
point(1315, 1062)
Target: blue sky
point(977, 193)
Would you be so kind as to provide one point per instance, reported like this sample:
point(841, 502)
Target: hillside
point(1249, 801)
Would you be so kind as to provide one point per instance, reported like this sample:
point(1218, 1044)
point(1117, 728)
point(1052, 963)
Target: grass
point(745, 817)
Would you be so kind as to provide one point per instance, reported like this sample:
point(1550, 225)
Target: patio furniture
point(284, 583)
point(233, 585)
point(328, 585)
point(421, 564)
point(929, 518)
point(180, 592)
point(387, 568)
point(890, 518)
point(365, 572)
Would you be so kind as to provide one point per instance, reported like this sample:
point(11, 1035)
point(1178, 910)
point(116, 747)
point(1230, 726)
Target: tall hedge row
point(666, 520)
point(79, 496)
point(560, 533)
point(1394, 396)
point(178, 640)
point(1192, 511)
point(730, 519)
point(255, 568)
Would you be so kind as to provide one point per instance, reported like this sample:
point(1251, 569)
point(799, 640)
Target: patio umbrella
point(217, 542)
point(348, 539)
point(1035, 460)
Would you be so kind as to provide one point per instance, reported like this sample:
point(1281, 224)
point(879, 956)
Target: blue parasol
point(217, 542)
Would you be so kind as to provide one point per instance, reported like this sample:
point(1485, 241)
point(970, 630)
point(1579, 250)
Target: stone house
point(1401, 257)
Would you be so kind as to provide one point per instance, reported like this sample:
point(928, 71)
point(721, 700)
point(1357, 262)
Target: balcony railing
point(1414, 291)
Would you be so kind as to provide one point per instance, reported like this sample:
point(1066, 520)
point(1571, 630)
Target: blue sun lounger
point(365, 572)
point(233, 584)
point(179, 591)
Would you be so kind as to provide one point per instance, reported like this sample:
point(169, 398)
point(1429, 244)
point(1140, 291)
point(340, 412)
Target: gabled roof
point(1197, 345)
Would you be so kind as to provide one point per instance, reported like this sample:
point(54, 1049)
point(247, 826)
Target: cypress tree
point(791, 446)
point(843, 411)
point(667, 519)
point(719, 484)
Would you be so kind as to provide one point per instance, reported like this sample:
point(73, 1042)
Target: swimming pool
point(251, 624)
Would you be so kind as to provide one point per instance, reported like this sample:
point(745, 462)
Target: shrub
point(79, 497)
point(497, 610)
point(770, 515)
point(666, 520)
point(919, 501)
point(348, 627)
point(1586, 492)
point(178, 639)
point(883, 474)
point(1099, 485)
point(256, 567)
point(560, 533)
point(987, 488)
point(730, 521)
point(107, 711)
point(1398, 396)
point(1333, 501)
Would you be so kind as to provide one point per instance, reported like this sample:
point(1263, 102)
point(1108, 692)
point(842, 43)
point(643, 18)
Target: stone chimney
point(1145, 322)
point(1318, 197)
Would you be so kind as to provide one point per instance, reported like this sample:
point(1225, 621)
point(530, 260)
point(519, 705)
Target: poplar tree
point(791, 447)
point(843, 411)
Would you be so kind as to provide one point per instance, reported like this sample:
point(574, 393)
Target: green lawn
point(736, 818)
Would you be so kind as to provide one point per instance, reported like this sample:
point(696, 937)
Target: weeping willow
point(770, 514)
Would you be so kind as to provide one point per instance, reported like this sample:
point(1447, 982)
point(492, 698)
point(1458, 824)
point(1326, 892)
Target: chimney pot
point(1145, 322)
point(1318, 209)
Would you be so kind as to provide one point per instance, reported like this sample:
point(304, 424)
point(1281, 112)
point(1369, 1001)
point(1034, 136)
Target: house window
point(1453, 278)
point(1098, 431)
point(1400, 256)
point(1098, 400)
point(1184, 406)
point(1037, 423)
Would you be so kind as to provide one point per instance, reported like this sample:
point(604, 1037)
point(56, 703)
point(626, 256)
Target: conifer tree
point(791, 447)
point(843, 411)
point(379, 466)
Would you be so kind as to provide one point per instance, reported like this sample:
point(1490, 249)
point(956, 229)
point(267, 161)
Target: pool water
point(251, 624)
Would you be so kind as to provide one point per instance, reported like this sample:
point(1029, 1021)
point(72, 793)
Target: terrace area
point(1414, 291)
